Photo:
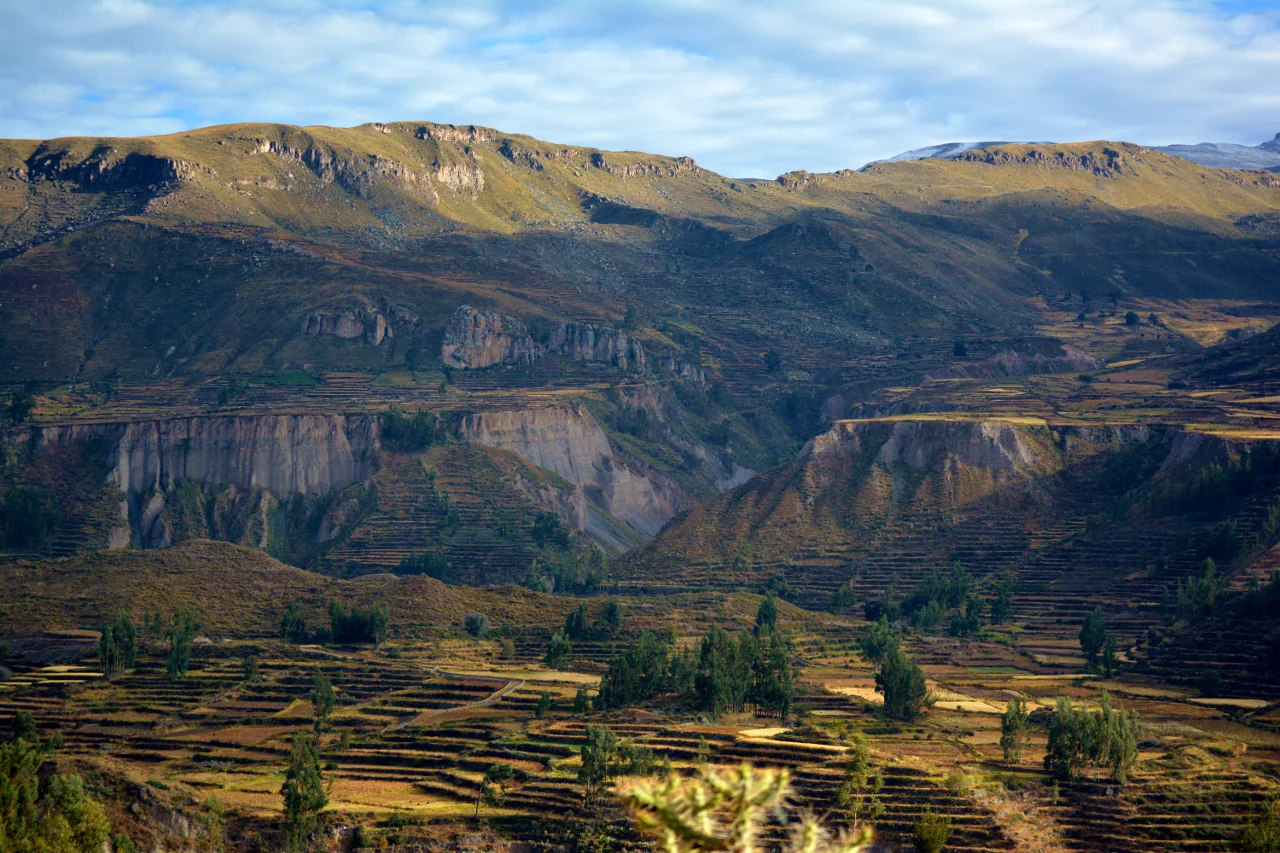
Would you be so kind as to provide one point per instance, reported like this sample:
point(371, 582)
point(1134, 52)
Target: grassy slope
point(238, 590)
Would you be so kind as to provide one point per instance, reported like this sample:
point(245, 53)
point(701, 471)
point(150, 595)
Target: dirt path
point(492, 699)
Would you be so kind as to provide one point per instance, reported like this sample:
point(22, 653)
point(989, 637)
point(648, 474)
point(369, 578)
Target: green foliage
point(1109, 657)
point(184, 625)
point(1013, 730)
point(1131, 318)
point(735, 673)
point(772, 361)
point(322, 699)
point(611, 616)
point(960, 587)
point(304, 794)
point(215, 825)
point(902, 683)
point(118, 645)
point(433, 564)
point(859, 793)
point(358, 625)
point(960, 349)
point(879, 640)
point(408, 433)
point(581, 703)
point(1199, 596)
point(493, 786)
point(24, 726)
point(1002, 605)
point(50, 815)
point(930, 831)
point(598, 756)
point(547, 531)
point(1262, 834)
point(293, 625)
point(252, 664)
point(640, 673)
point(725, 810)
point(1079, 739)
point(846, 597)
point(1092, 635)
point(969, 620)
point(477, 624)
point(544, 705)
point(28, 518)
point(576, 626)
point(767, 615)
point(559, 650)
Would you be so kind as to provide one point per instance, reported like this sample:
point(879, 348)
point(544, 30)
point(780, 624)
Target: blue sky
point(746, 88)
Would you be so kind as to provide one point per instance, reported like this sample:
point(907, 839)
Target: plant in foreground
point(723, 810)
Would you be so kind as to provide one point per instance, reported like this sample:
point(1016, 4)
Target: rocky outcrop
point(241, 465)
point(362, 322)
point(105, 169)
point(1106, 163)
point(567, 441)
point(662, 169)
point(477, 339)
point(585, 342)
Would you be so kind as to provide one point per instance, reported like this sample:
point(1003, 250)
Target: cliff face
point(569, 442)
point(257, 461)
point(478, 339)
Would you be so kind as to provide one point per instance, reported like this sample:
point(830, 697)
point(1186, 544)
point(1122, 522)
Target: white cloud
point(749, 88)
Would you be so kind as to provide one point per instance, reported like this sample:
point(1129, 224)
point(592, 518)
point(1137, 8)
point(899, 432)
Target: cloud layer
point(747, 88)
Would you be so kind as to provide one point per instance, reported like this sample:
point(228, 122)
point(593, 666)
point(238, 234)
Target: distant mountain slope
point(225, 249)
point(1218, 155)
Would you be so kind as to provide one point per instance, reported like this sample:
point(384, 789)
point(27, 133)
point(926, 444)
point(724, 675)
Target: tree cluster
point(358, 624)
point(118, 645)
point(1080, 739)
point(45, 812)
point(408, 432)
point(28, 517)
point(182, 628)
point(898, 677)
point(433, 564)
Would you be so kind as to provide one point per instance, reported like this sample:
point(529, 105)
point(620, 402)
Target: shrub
point(358, 625)
point(477, 624)
point(408, 433)
point(930, 831)
point(559, 649)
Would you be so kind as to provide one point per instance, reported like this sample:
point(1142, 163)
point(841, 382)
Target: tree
point(303, 792)
point(611, 616)
point(960, 349)
point(1002, 605)
point(846, 597)
point(960, 586)
point(1013, 730)
point(322, 699)
point(293, 625)
point(251, 665)
point(630, 317)
point(1131, 318)
point(637, 675)
point(859, 794)
point(931, 831)
point(184, 625)
point(492, 787)
point(900, 680)
point(543, 706)
point(53, 815)
point(581, 703)
point(21, 404)
point(767, 615)
point(575, 623)
point(559, 650)
point(215, 825)
point(772, 361)
point(1092, 635)
point(24, 726)
point(358, 625)
point(724, 810)
point(118, 645)
point(969, 621)
point(28, 517)
point(1079, 739)
point(477, 624)
point(879, 641)
point(1109, 660)
point(598, 756)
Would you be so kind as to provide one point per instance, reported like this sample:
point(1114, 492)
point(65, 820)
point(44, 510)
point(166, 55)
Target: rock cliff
point(569, 442)
point(478, 339)
point(253, 463)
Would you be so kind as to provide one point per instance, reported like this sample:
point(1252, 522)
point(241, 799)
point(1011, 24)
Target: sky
point(749, 89)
